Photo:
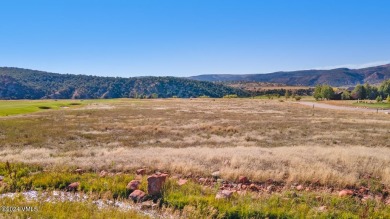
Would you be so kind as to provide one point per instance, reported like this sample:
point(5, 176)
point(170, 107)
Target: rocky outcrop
point(137, 196)
point(155, 184)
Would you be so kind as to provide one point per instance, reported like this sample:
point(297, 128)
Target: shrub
point(44, 107)
point(230, 96)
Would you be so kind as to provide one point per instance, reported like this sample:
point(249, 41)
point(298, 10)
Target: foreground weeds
point(20, 208)
point(191, 200)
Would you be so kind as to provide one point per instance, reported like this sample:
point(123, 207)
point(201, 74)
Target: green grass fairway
point(14, 107)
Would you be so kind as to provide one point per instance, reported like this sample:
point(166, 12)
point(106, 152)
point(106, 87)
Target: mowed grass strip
point(15, 107)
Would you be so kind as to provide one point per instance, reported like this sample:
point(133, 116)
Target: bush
point(44, 107)
point(230, 96)
point(323, 92)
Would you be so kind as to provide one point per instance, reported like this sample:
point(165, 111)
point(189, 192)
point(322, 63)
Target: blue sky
point(190, 37)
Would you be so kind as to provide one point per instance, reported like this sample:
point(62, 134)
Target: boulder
point(182, 182)
point(271, 188)
point(73, 186)
point(243, 179)
point(137, 196)
point(345, 192)
point(133, 185)
point(254, 187)
point(216, 174)
point(140, 172)
point(202, 180)
point(363, 190)
point(224, 194)
point(367, 198)
point(300, 187)
point(103, 173)
point(155, 184)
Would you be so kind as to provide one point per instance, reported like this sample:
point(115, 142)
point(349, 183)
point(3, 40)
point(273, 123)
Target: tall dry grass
point(330, 165)
point(259, 138)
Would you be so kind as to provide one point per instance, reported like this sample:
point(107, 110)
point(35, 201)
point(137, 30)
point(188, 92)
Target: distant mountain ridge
point(18, 83)
point(333, 77)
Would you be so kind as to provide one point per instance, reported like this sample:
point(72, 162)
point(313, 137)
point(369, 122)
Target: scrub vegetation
point(277, 145)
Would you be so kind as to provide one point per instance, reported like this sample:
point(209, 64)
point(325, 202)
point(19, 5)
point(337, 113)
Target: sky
point(129, 38)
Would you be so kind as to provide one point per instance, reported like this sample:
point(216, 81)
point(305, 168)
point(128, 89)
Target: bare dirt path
point(334, 107)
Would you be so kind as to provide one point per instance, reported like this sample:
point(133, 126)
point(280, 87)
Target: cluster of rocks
point(364, 194)
point(242, 185)
point(155, 184)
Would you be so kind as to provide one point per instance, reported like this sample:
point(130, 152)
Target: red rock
point(224, 194)
point(271, 188)
point(367, 198)
point(103, 173)
point(155, 183)
point(253, 187)
point(322, 208)
point(216, 174)
point(345, 192)
point(137, 196)
point(300, 187)
point(182, 182)
point(363, 190)
point(73, 186)
point(202, 180)
point(243, 179)
point(140, 172)
point(133, 185)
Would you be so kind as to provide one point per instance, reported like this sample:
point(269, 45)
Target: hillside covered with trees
point(360, 92)
point(17, 83)
point(333, 77)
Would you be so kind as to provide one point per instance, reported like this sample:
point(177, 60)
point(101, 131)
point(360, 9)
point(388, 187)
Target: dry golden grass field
point(261, 139)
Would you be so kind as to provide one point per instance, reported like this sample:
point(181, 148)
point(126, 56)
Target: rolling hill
point(18, 83)
point(333, 77)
